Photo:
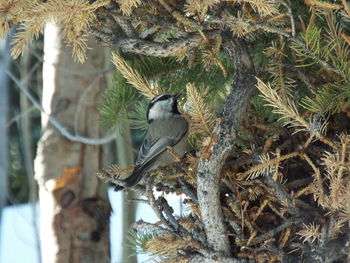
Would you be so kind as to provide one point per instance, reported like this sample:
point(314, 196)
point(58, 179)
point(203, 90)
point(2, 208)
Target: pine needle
point(72, 16)
point(199, 7)
point(287, 108)
point(310, 233)
point(133, 77)
point(128, 5)
point(266, 166)
point(168, 246)
point(201, 116)
point(263, 7)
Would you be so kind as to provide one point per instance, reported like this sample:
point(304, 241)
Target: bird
point(166, 128)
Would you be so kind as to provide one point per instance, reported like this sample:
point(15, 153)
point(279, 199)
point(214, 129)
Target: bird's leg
point(153, 172)
point(173, 154)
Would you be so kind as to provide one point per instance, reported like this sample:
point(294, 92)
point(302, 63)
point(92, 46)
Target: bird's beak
point(177, 95)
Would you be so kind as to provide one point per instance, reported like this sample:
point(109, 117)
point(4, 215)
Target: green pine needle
point(114, 105)
point(138, 240)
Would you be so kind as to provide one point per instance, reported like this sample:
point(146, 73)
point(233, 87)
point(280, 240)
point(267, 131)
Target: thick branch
point(212, 257)
point(151, 48)
point(222, 141)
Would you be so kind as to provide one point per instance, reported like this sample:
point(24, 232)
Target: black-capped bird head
point(162, 107)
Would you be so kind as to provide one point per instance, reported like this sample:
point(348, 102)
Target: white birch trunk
point(73, 202)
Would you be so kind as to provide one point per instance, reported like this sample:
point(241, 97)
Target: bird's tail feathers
point(132, 179)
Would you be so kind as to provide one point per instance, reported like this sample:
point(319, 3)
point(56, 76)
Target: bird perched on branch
point(167, 128)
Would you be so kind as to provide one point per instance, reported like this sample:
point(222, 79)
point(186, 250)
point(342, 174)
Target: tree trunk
point(73, 202)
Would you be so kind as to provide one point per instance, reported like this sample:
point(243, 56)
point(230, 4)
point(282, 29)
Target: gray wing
point(152, 147)
point(173, 131)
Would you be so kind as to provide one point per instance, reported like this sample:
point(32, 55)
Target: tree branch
point(151, 48)
point(222, 141)
point(271, 29)
point(154, 228)
point(209, 257)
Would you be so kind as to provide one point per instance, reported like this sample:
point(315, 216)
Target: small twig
point(319, 181)
point(154, 228)
point(298, 183)
point(150, 48)
point(290, 13)
point(154, 205)
point(309, 140)
point(180, 17)
point(281, 194)
point(137, 200)
point(104, 37)
point(305, 79)
point(168, 211)
point(188, 190)
point(175, 224)
point(110, 178)
point(18, 117)
point(271, 233)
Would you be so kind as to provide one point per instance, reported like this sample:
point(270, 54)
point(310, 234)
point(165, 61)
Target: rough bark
point(149, 48)
point(222, 141)
point(73, 202)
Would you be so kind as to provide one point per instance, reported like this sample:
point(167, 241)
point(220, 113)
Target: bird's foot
point(176, 157)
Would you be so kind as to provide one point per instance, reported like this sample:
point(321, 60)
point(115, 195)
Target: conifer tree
point(266, 87)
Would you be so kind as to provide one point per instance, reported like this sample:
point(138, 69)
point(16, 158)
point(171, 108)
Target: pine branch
point(133, 77)
point(311, 232)
point(287, 109)
point(271, 29)
point(73, 16)
point(263, 7)
point(201, 115)
point(265, 166)
point(127, 6)
point(323, 5)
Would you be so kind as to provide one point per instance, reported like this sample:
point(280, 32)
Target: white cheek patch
point(161, 109)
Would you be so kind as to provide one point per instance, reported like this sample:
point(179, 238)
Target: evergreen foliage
point(127, 100)
point(293, 99)
point(284, 189)
point(138, 240)
point(328, 41)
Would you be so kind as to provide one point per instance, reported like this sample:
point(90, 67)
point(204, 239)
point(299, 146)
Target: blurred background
point(20, 236)
point(46, 81)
